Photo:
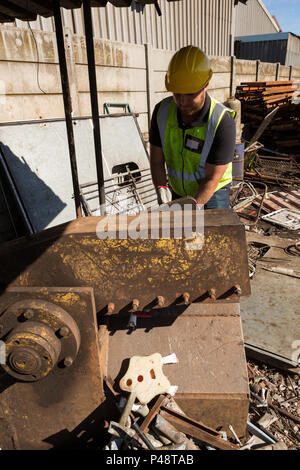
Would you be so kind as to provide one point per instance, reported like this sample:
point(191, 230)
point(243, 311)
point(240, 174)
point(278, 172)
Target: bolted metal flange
point(40, 335)
point(32, 350)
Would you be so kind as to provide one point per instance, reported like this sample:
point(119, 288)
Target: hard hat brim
point(185, 87)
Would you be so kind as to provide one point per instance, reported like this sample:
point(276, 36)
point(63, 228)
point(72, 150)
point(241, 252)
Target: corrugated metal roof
point(263, 37)
point(27, 10)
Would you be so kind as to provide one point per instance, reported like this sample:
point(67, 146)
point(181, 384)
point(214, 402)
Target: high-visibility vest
point(186, 166)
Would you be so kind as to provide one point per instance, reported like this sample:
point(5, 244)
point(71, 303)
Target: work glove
point(164, 195)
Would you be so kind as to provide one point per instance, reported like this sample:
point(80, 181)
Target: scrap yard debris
point(275, 404)
point(273, 169)
point(259, 98)
point(273, 420)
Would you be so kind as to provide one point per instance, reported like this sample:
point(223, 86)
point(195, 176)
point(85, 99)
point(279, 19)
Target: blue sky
point(287, 13)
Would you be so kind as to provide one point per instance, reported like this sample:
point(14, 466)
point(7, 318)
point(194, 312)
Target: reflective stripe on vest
point(217, 113)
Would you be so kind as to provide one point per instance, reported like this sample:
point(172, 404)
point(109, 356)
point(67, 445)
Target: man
point(192, 135)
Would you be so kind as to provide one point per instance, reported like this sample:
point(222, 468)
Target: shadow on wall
point(39, 201)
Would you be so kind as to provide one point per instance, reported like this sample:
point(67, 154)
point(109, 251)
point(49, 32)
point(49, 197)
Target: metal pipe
point(67, 102)
point(91, 183)
point(94, 100)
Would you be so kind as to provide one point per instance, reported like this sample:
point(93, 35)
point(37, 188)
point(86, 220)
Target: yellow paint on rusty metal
point(24, 278)
point(94, 262)
point(68, 298)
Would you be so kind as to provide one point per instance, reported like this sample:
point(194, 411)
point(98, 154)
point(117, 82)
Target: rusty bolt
point(160, 301)
point(186, 298)
point(28, 314)
point(237, 290)
point(64, 331)
point(212, 294)
point(110, 308)
point(135, 304)
point(68, 361)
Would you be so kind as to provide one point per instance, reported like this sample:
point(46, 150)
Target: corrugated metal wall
point(266, 51)
point(206, 23)
point(293, 51)
point(279, 47)
point(252, 18)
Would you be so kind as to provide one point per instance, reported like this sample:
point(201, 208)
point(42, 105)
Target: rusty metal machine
point(66, 300)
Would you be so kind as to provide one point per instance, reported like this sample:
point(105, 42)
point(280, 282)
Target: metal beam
point(94, 100)
point(67, 102)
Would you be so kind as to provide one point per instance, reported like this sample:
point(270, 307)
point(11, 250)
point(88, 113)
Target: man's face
point(190, 104)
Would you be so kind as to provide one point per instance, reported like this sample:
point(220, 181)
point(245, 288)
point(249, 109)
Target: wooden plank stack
point(268, 95)
point(259, 98)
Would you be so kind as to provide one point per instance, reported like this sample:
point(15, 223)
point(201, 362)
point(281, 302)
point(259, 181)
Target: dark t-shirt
point(222, 149)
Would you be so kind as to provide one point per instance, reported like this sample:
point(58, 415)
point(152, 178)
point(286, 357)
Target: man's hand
point(208, 186)
point(164, 195)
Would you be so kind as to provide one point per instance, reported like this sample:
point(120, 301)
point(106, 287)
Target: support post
point(277, 71)
point(67, 102)
point(149, 82)
point(232, 75)
point(257, 70)
point(88, 25)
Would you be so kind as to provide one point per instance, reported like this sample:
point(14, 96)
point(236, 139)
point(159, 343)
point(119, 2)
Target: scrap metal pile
point(275, 406)
point(259, 98)
point(270, 190)
point(273, 169)
point(256, 202)
point(273, 419)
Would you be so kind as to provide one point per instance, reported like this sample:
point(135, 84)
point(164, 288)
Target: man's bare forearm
point(157, 166)
point(205, 191)
point(210, 183)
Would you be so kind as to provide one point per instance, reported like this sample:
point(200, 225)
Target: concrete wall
point(30, 86)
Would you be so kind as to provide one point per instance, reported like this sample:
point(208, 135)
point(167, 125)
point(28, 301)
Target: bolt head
point(68, 361)
point(64, 331)
point(28, 314)
point(110, 308)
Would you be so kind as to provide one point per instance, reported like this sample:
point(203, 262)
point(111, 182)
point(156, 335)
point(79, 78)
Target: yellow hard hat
point(189, 71)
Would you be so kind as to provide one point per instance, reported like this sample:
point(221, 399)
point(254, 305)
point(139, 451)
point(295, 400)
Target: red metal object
point(142, 314)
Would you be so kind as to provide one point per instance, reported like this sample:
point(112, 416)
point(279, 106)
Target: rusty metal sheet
point(207, 339)
point(120, 270)
point(271, 314)
point(61, 410)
